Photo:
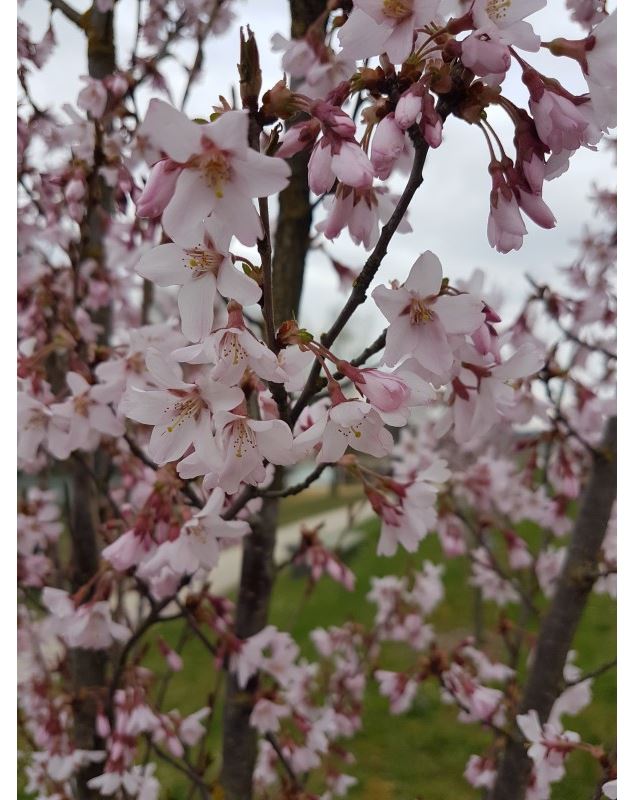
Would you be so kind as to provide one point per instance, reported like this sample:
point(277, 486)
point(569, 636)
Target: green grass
point(421, 753)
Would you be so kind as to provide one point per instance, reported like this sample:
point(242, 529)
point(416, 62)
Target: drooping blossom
point(179, 412)
point(220, 172)
point(374, 27)
point(349, 422)
point(198, 544)
point(202, 266)
point(421, 318)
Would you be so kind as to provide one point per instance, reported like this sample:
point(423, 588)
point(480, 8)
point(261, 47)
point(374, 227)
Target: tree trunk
point(559, 626)
point(256, 582)
point(88, 666)
point(240, 740)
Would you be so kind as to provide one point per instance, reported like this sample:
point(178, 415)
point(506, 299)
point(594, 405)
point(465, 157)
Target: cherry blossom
point(201, 266)
point(220, 172)
point(179, 411)
point(421, 318)
point(377, 26)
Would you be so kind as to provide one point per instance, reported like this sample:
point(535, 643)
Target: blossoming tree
point(159, 427)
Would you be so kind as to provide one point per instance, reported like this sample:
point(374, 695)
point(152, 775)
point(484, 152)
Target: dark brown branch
point(298, 487)
point(563, 617)
point(69, 12)
point(240, 739)
point(594, 673)
point(284, 761)
point(369, 270)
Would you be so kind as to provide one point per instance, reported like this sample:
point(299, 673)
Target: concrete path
point(340, 527)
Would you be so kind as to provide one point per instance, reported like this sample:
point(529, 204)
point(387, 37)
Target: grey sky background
point(449, 213)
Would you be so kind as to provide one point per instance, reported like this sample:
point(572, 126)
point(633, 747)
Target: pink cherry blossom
point(266, 716)
point(421, 319)
point(198, 543)
point(179, 411)
point(201, 266)
point(221, 173)
point(361, 211)
point(350, 422)
point(398, 688)
point(88, 413)
point(505, 20)
point(93, 97)
point(377, 26)
point(237, 451)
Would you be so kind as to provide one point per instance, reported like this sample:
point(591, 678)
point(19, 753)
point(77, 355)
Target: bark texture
point(88, 666)
point(558, 628)
point(294, 219)
point(291, 244)
point(256, 582)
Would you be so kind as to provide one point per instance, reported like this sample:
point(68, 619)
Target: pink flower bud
point(408, 109)
point(384, 391)
point(388, 144)
point(321, 177)
point(484, 55)
point(352, 167)
point(75, 190)
point(536, 209)
point(159, 189)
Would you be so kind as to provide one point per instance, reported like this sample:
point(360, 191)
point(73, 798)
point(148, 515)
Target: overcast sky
point(449, 212)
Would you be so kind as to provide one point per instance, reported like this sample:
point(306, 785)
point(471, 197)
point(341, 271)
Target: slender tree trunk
point(256, 582)
point(559, 626)
point(294, 219)
point(258, 570)
point(88, 666)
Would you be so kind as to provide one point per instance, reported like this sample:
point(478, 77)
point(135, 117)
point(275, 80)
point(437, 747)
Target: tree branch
point(563, 617)
point(68, 11)
point(369, 270)
point(298, 487)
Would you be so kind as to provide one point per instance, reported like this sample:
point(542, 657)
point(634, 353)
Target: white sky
point(448, 214)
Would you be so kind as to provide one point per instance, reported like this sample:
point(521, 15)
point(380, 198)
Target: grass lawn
point(421, 754)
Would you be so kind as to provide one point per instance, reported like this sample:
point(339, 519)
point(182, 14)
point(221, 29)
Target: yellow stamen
point(397, 9)
point(185, 409)
point(419, 312)
point(497, 9)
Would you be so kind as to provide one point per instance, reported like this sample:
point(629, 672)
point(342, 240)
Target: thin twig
point(298, 487)
point(594, 673)
point(182, 767)
point(187, 490)
point(284, 761)
point(369, 270)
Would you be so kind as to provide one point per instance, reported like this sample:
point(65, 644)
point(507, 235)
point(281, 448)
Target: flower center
point(397, 9)
point(202, 261)
point(81, 404)
point(215, 165)
point(185, 409)
point(243, 439)
point(232, 350)
point(419, 312)
point(497, 9)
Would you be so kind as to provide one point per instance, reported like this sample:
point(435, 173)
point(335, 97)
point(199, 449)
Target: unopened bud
point(249, 69)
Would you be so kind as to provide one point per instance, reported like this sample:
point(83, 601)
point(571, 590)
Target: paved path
point(337, 527)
